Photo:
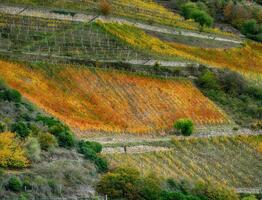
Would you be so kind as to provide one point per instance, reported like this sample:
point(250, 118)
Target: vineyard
point(32, 38)
point(235, 161)
point(246, 59)
point(146, 11)
point(111, 101)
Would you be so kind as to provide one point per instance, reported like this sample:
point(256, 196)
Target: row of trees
point(127, 183)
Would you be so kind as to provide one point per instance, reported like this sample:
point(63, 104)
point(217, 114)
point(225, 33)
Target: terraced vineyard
point(235, 161)
point(246, 59)
point(109, 100)
point(33, 38)
point(146, 11)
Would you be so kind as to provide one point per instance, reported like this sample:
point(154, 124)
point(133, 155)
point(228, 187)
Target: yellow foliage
point(11, 152)
point(112, 101)
point(246, 60)
point(259, 148)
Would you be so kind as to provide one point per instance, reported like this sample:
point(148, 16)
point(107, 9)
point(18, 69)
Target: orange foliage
point(112, 101)
point(11, 153)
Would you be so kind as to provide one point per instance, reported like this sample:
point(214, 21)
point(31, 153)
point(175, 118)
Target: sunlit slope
point(96, 100)
point(146, 11)
point(243, 59)
point(235, 161)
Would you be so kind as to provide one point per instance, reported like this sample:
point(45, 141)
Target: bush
point(21, 129)
point(89, 154)
point(193, 11)
point(15, 184)
point(95, 146)
point(2, 127)
point(188, 8)
point(202, 18)
point(12, 154)
point(122, 183)
point(105, 7)
point(215, 192)
point(47, 141)
point(150, 188)
point(33, 149)
point(208, 80)
point(251, 197)
point(101, 164)
point(252, 29)
point(184, 126)
point(10, 95)
point(65, 139)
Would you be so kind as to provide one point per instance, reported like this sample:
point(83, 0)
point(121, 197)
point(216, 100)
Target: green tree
point(202, 18)
point(188, 9)
point(15, 184)
point(184, 126)
point(119, 184)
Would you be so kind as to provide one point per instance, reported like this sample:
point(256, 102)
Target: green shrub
point(215, 192)
point(188, 8)
point(208, 80)
point(101, 164)
point(122, 183)
point(21, 129)
point(251, 197)
point(48, 121)
point(2, 127)
point(10, 95)
point(33, 149)
point(15, 184)
point(202, 18)
point(184, 126)
point(197, 13)
point(47, 141)
point(95, 146)
point(252, 29)
point(89, 154)
point(150, 188)
point(65, 139)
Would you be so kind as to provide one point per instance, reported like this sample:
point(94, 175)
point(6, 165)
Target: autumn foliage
point(12, 154)
point(246, 59)
point(112, 101)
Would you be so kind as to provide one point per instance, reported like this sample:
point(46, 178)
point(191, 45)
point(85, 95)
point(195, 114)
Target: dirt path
point(134, 140)
point(45, 13)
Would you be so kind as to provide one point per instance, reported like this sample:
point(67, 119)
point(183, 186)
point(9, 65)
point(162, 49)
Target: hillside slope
point(111, 101)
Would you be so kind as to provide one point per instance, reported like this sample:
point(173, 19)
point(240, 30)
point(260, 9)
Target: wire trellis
point(37, 39)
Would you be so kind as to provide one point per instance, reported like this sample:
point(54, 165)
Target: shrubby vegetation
point(12, 155)
point(127, 183)
point(35, 142)
point(238, 97)
point(197, 13)
point(90, 150)
point(246, 17)
point(184, 126)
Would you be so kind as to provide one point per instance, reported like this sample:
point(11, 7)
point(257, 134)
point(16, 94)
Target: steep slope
point(246, 59)
point(234, 161)
point(140, 10)
point(111, 101)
